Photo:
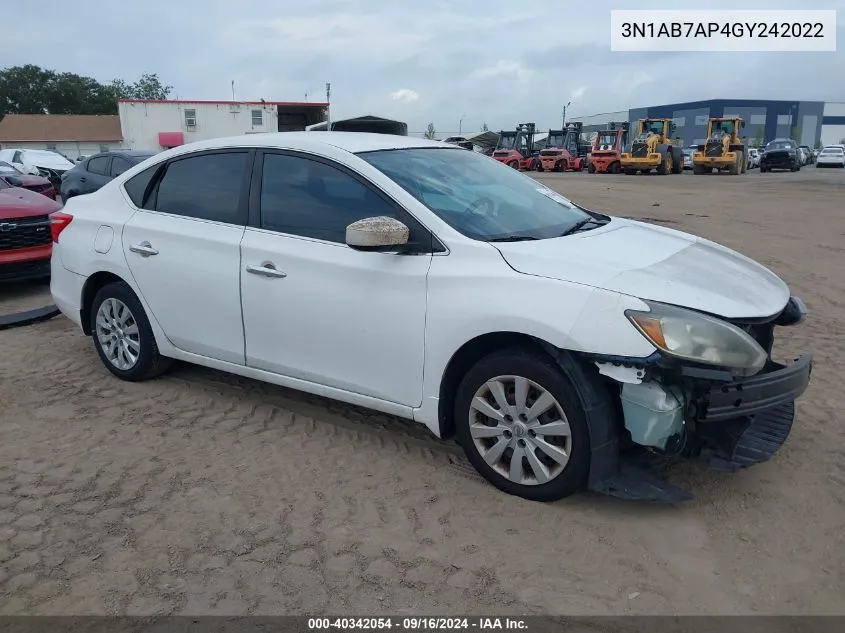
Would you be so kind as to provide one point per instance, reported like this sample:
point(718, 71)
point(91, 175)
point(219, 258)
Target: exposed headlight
point(697, 337)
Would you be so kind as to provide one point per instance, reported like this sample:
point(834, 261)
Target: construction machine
point(724, 149)
point(607, 149)
point(653, 148)
point(516, 149)
point(565, 150)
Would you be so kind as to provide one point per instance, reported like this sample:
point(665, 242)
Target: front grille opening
point(25, 232)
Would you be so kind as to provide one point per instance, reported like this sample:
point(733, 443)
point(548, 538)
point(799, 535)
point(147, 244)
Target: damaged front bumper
point(706, 413)
point(745, 422)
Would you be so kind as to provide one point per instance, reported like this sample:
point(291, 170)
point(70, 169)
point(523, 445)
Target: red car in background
point(26, 241)
point(14, 177)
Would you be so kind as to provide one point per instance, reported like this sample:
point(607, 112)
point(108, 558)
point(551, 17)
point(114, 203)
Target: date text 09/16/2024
point(417, 624)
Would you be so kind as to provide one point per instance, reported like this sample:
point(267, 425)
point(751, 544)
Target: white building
point(72, 135)
point(158, 125)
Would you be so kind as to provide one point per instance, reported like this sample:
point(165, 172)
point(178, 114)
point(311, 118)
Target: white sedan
point(421, 280)
point(831, 157)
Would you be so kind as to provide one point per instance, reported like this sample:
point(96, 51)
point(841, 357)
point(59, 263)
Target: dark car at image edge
point(95, 171)
point(781, 153)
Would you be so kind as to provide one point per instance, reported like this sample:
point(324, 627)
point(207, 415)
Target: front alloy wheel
point(520, 430)
point(521, 423)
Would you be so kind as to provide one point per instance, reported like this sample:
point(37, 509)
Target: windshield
point(478, 197)
point(507, 142)
point(555, 140)
point(6, 168)
point(655, 127)
point(723, 127)
point(607, 138)
point(780, 145)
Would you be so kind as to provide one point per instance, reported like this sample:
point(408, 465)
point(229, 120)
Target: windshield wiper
point(581, 224)
point(513, 238)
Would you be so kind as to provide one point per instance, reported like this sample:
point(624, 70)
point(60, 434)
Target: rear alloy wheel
point(123, 336)
point(521, 425)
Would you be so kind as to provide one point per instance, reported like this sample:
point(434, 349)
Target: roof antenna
point(233, 90)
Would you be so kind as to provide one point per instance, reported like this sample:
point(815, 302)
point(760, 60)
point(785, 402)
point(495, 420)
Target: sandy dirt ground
point(202, 493)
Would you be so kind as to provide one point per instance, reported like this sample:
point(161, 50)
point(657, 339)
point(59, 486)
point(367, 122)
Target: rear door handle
point(267, 269)
point(144, 249)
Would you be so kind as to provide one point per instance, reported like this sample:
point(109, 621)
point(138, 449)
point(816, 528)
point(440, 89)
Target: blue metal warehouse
point(812, 121)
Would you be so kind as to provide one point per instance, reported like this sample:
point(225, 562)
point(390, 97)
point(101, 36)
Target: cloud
point(579, 92)
point(405, 95)
point(503, 68)
point(482, 60)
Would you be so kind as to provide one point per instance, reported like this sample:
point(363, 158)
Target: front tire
point(122, 334)
point(521, 425)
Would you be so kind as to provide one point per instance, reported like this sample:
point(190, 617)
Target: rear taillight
point(59, 222)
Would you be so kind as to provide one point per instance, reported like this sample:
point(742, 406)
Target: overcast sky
point(496, 61)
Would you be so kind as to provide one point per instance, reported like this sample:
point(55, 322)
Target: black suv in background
point(781, 153)
point(95, 171)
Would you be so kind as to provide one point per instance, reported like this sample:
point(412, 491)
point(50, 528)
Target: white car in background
point(424, 281)
point(38, 162)
point(753, 157)
point(831, 156)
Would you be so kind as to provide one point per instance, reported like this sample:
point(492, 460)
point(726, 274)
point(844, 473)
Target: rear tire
point(552, 448)
point(513, 164)
point(122, 335)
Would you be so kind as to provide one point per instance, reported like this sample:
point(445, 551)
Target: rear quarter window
point(137, 186)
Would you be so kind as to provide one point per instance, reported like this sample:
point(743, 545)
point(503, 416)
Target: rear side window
point(119, 165)
point(98, 165)
point(136, 186)
point(206, 187)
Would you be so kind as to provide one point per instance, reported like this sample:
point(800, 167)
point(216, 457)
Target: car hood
point(25, 180)
point(58, 163)
point(16, 202)
point(656, 263)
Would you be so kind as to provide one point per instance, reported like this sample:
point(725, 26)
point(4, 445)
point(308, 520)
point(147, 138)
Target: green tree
point(758, 137)
point(796, 134)
point(430, 132)
point(819, 145)
point(30, 89)
point(484, 127)
point(149, 87)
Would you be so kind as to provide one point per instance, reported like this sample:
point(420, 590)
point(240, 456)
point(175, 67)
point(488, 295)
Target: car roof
point(352, 142)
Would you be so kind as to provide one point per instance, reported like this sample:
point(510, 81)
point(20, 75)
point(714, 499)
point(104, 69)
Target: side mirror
point(379, 234)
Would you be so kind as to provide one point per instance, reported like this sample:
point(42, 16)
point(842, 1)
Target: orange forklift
point(607, 149)
point(564, 150)
point(516, 149)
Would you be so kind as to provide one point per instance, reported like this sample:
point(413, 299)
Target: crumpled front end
point(684, 409)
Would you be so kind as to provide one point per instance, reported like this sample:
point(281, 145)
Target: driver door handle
point(267, 269)
point(144, 249)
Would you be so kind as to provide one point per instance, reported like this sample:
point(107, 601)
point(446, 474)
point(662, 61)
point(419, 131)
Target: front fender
point(473, 292)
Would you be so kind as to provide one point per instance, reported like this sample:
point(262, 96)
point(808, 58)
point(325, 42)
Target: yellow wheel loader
point(653, 148)
point(724, 149)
